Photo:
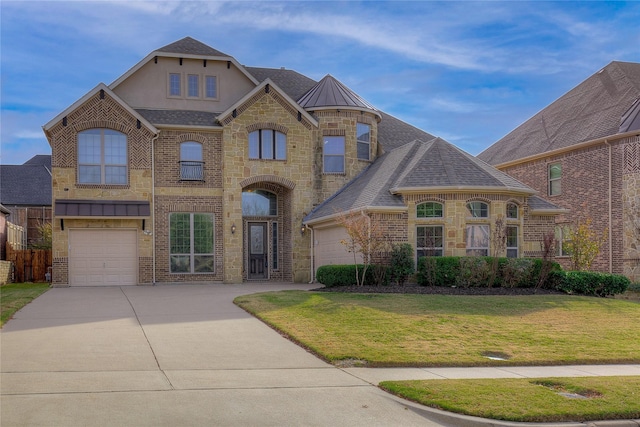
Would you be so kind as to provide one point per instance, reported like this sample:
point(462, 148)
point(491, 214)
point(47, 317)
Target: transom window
point(512, 241)
point(267, 144)
point(191, 242)
point(555, 175)
point(429, 210)
point(191, 164)
point(363, 136)
point(102, 157)
point(478, 209)
point(333, 154)
point(477, 240)
point(259, 203)
point(512, 211)
point(430, 241)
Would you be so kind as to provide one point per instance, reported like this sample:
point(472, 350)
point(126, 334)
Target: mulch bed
point(439, 290)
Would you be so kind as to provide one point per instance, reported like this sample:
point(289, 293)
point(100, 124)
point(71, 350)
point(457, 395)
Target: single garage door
point(328, 249)
point(104, 257)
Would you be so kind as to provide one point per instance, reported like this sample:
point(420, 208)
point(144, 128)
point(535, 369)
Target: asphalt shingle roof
point(416, 165)
point(191, 46)
point(179, 117)
point(591, 110)
point(291, 82)
point(28, 184)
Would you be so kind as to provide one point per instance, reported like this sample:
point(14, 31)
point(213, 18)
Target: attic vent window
point(101, 93)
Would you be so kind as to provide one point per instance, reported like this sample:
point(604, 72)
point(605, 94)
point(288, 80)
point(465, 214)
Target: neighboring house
point(25, 190)
point(4, 213)
point(582, 152)
point(193, 168)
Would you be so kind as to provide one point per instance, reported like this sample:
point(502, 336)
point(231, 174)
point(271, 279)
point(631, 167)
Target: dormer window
point(363, 135)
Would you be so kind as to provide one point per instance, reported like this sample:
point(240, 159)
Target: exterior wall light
point(233, 228)
point(303, 228)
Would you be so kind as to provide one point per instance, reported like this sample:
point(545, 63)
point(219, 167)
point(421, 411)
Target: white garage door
point(328, 249)
point(102, 257)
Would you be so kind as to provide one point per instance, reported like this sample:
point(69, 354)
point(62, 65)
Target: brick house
point(193, 168)
point(582, 153)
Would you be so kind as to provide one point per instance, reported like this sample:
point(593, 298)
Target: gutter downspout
point(606, 141)
point(153, 210)
point(312, 275)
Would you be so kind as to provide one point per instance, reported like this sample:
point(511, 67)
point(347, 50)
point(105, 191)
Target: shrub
point(474, 272)
point(590, 283)
point(401, 262)
point(344, 275)
point(518, 273)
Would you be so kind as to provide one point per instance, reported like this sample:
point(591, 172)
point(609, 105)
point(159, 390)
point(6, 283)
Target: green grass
point(14, 296)
point(442, 330)
point(528, 400)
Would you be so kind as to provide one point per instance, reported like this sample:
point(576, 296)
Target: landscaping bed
point(438, 290)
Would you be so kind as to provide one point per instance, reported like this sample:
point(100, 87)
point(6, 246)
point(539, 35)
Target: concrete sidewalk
point(185, 355)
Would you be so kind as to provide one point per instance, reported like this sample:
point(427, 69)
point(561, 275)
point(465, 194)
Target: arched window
point(429, 210)
point(478, 209)
point(512, 211)
point(267, 144)
point(259, 203)
point(191, 164)
point(102, 157)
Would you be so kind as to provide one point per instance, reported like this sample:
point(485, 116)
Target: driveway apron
point(174, 355)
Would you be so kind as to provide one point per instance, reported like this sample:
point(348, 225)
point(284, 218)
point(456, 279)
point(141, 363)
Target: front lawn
point(445, 330)
point(528, 400)
point(14, 296)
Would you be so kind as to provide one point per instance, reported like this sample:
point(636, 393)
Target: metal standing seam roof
point(102, 208)
point(329, 92)
point(593, 109)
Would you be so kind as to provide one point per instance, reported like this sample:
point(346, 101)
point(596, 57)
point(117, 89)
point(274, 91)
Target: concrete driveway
point(179, 355)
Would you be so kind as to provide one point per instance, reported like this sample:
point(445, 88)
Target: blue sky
point(469, 72)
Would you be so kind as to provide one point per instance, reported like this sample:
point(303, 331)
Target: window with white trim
point(478, 209)
point(429, 210)
point(211, 87)
point(102, 157)
point(363, 136)
point(193, 85)
point(562, 240)
point(477, 239)
point(512, 211)
point(512, 241)
point(191, 243)
point(430, 240)
point(333, 154)
point(175, 85)
point(267, 144)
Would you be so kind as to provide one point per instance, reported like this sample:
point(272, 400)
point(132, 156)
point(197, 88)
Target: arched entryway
point(266, 224)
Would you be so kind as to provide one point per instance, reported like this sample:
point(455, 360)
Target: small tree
point(402, 262)
point(548, 246)
point(45, 240)
point(366, 237)
point(583, 244)
point(499, 244)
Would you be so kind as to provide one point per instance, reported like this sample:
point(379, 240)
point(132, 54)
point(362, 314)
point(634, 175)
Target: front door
point(258, 262)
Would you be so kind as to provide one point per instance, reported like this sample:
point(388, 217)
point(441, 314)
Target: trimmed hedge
point(590, 283)
point(476, 271)
point(344, 275)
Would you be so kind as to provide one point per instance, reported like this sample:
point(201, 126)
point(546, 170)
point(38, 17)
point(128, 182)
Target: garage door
point(102, 257)
point(329, 250)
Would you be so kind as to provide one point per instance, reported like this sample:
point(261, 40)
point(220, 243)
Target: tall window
point(102, 157)
point(333, 154)
point(478, 209)
point(191, 164)
point(267, 144)
point(512, 211)
point(211, 88)
point(555, 175)
point(512, 241)
point(430, 240)
point(429, 210)
point(191, 242)
point(477, 240)
point(259, 203)
point(562, 233)
point(363, 135)
point(193, 85)
point(174, 84)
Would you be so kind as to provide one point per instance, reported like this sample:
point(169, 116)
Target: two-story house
point(582, 152)
point(191, 167)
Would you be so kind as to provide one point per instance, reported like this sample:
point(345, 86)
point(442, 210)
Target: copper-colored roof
point(329, 92)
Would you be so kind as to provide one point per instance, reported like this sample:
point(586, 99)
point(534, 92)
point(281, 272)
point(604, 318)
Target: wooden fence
point(29, 265)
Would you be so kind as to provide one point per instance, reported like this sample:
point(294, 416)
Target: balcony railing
point(191, 171)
